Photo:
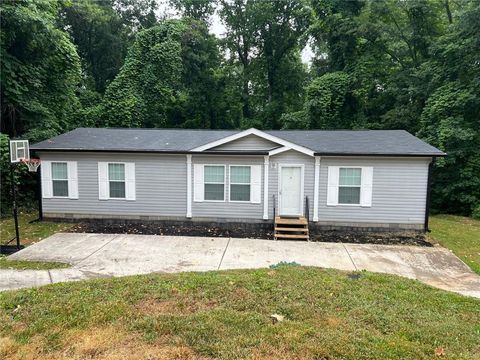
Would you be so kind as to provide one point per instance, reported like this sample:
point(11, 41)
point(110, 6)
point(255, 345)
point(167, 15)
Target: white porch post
point(189, 186)
point(316, 188)
point(266, 163)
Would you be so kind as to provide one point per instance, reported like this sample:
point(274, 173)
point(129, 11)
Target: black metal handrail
point(307, 209)
point(274, 206)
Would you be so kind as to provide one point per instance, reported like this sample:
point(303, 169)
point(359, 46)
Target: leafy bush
point(476, 212)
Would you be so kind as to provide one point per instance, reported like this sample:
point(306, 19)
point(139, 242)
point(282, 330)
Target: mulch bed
point(385, 238)
point(241, 231)
point(236, 231)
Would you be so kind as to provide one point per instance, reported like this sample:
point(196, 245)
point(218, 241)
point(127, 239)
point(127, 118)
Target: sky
point(217, 27)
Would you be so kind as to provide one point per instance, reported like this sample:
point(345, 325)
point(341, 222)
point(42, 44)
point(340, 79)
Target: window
point(350, 181)
point(214, 183)
point(60, 179)
point(116, 180)
point(240, 183)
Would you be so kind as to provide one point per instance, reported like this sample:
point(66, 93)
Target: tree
point(196, 9)
point(40, 70)
point(336, 32)
point(281, 27)
point(238, 17)
point(450, 117)
point(147, 85)
point(100, 37)
point(264, 38)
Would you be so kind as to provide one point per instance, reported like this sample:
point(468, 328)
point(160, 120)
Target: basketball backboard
point(19, 150)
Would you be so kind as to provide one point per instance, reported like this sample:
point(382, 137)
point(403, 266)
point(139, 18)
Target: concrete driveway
point(104, 255)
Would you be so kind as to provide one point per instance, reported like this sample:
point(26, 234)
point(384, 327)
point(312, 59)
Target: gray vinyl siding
point(227, 209)
point(398, 192)
point(293, 158)
point(250, 142)
point(161, 186)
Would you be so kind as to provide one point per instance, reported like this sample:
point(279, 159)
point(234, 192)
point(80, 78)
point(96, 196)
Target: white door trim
point(302, 176)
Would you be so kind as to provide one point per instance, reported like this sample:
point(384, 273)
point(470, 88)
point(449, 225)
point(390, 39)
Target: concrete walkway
point(105, 255)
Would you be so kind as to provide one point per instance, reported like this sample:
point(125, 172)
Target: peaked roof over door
point(310, 142)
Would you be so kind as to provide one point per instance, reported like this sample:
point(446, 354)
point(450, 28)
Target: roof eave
point(166, 152)
point(441, 154)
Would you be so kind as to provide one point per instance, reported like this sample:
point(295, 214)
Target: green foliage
point(327, 101)
point(147, 85)
point(264, 39)
point(195, 9)
point(476, 212)
point(40, 69)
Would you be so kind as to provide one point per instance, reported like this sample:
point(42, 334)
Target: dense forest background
point(377, 64)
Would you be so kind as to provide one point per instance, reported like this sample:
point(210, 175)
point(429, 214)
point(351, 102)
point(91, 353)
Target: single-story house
point(335, 179)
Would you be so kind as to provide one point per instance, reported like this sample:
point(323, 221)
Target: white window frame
point(224, 183)
point(124, 180)
point(67, 180)
point(230, 183)
point(359, 186)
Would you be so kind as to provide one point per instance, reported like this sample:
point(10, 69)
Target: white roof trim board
point(278, 150)
point(258, 133)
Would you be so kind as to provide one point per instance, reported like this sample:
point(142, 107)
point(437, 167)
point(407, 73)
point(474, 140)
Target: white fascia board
point(278, 150)
point(258, 133)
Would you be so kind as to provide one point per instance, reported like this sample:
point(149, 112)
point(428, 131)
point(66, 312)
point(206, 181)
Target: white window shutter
point(366, 190)
point(103, 180)
point(256, 184)
point(72, 179)
point(46, 172)
point(130, 181)
point(198, 188)
point(332, 186)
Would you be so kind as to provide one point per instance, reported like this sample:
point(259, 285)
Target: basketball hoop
point(32, 164)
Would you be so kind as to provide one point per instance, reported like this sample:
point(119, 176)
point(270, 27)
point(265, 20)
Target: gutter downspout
point(429, 186)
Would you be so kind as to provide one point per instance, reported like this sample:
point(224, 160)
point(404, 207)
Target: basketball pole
point(15, 209)
point(39, 194)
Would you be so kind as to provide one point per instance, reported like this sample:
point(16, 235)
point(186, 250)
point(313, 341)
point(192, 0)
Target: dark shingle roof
point(395, 142)
point(326, 142)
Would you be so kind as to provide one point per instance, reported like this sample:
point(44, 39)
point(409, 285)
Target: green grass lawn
point(29, 233)
point(328, 315)
point(459, 234)
point(32, 265)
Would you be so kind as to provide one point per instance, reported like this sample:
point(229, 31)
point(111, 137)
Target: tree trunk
point(449, 13)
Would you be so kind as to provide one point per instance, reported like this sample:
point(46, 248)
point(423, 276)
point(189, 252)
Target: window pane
point(59, 171)
point(116, 172)
point(60, 187)
point(350, 176)
point(349, 195)
point(240, 192)
point(240, 174)
point(117, 189)
point(215, 174)
point(214, 192)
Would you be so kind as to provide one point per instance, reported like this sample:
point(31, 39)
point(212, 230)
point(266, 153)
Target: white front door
point(290, 190)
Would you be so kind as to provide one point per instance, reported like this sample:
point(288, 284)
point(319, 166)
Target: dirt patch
point(382, 238)
point(107, 343)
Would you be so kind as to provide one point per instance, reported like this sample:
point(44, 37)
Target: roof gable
point(260, 134)
point(249, 142)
